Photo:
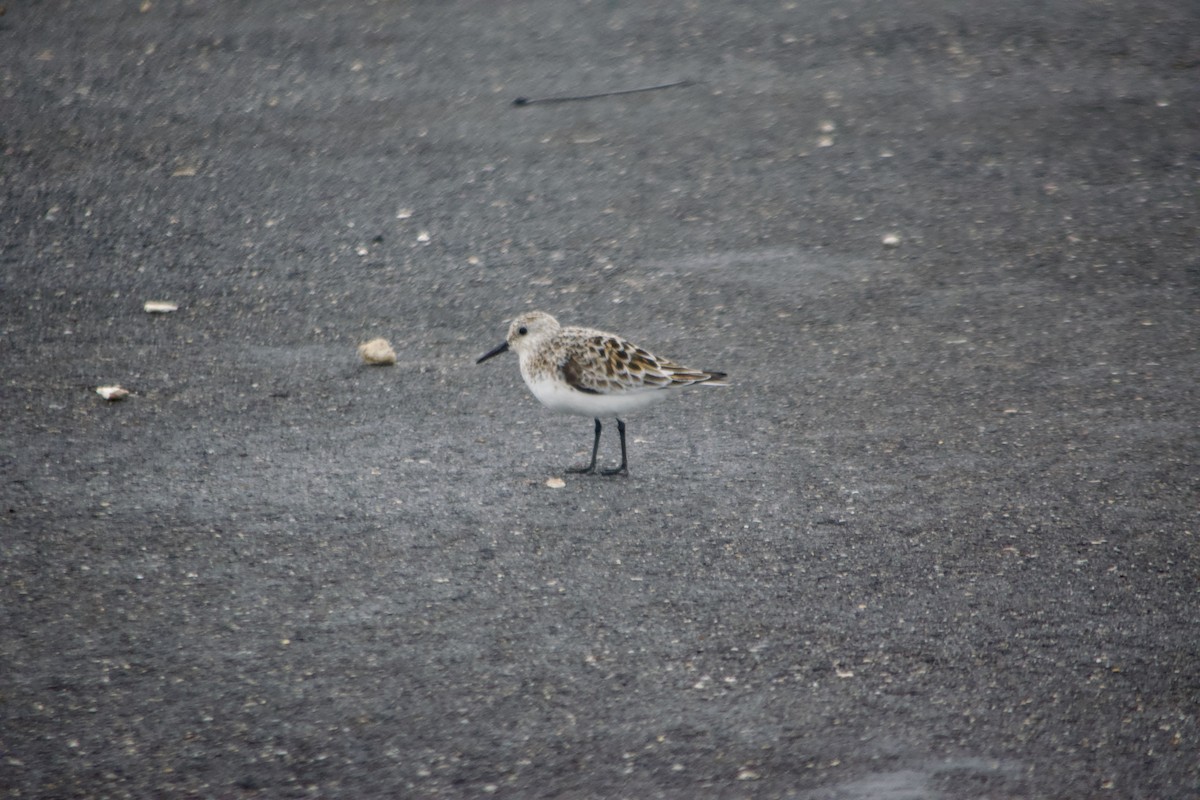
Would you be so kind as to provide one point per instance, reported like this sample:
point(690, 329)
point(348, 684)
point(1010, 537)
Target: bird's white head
point(526, 334)
point(530, 330)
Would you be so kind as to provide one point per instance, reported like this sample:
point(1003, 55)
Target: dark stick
point(525, 101)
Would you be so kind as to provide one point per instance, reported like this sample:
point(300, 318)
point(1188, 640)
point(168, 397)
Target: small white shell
point(112, 392)
point(160, 307)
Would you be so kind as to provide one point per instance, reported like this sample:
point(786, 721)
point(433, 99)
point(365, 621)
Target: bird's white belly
point(559, 397)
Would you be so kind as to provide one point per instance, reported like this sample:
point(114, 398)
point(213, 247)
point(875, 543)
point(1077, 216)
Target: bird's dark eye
point(522, 330)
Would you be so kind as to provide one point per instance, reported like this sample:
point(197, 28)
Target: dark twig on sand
point(526, 101)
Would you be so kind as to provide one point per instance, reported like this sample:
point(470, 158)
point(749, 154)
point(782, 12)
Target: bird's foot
point(588, 469)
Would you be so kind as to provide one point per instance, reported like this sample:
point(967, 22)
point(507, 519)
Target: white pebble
point(377, 352)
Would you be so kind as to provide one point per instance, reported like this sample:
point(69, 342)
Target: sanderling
point(593, 374)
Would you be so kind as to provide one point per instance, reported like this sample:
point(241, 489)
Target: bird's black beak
point(495, 351)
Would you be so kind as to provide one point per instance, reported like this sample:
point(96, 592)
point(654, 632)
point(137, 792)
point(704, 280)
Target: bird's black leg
point(624, 468)
point(591, 468)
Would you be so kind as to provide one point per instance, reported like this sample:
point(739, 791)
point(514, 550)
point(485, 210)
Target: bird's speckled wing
point(602, 363)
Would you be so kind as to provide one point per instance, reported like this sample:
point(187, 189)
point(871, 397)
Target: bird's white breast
point(558, 396)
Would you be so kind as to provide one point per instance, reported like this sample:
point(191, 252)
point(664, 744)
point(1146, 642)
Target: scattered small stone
point(377, 352)
point(555, 483)
point(112, 393)
point(891, 240)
